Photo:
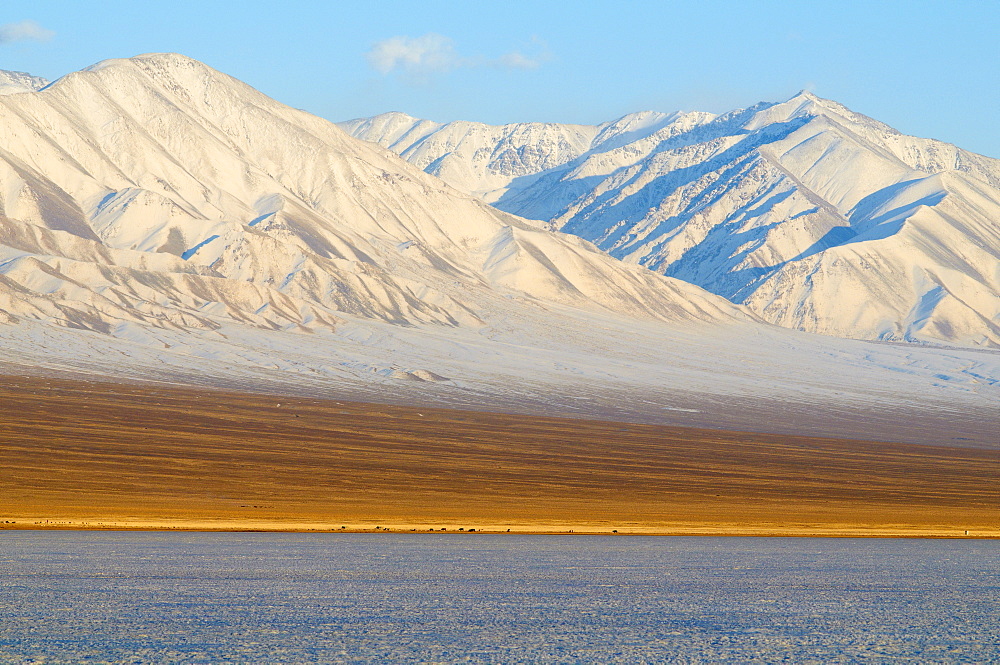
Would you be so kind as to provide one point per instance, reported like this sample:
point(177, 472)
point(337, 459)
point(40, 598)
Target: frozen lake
point(218, 597)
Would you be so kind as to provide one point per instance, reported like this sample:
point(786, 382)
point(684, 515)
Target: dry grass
point(91, 454)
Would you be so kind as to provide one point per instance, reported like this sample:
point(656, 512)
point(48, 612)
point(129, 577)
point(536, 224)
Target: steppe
point(89, 455)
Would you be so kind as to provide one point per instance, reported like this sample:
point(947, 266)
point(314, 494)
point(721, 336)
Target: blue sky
point(927, 68)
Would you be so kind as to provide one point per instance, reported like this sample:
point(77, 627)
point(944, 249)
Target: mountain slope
point(815, 217)
point(210, 199)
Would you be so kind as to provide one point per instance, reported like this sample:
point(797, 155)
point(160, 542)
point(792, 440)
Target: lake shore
point(711, 530)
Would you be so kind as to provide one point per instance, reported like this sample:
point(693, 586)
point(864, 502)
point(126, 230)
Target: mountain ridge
point(154, 197)
point(761, 202)
point(12, 83)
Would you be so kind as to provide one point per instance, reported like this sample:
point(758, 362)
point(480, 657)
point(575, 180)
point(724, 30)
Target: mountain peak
point(166, 57)
point(153, 58)
point(804, 94)
point(396, 115)
point(805, 100)
point(170, 65)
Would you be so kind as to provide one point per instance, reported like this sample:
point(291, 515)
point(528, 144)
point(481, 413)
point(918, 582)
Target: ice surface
point(169, 597)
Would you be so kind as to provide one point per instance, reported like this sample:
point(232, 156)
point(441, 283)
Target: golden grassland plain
point(80, 454)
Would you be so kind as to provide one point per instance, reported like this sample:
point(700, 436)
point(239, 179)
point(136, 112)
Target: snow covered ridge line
point(813, 216)
point(12, 83)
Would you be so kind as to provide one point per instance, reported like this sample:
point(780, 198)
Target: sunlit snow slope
point(156, 190)
point(161, 220)
point(815, 217)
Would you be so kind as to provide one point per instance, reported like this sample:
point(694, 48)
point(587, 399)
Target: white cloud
point(429, 54)
point(24, 31)
point(517, 60)
point(419, 57)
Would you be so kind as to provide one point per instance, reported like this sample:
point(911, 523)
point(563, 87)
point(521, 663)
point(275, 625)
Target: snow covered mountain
point(12, 83)
point(495, 162)
point(814, 217)
point(156, 190)
point(161, 220)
